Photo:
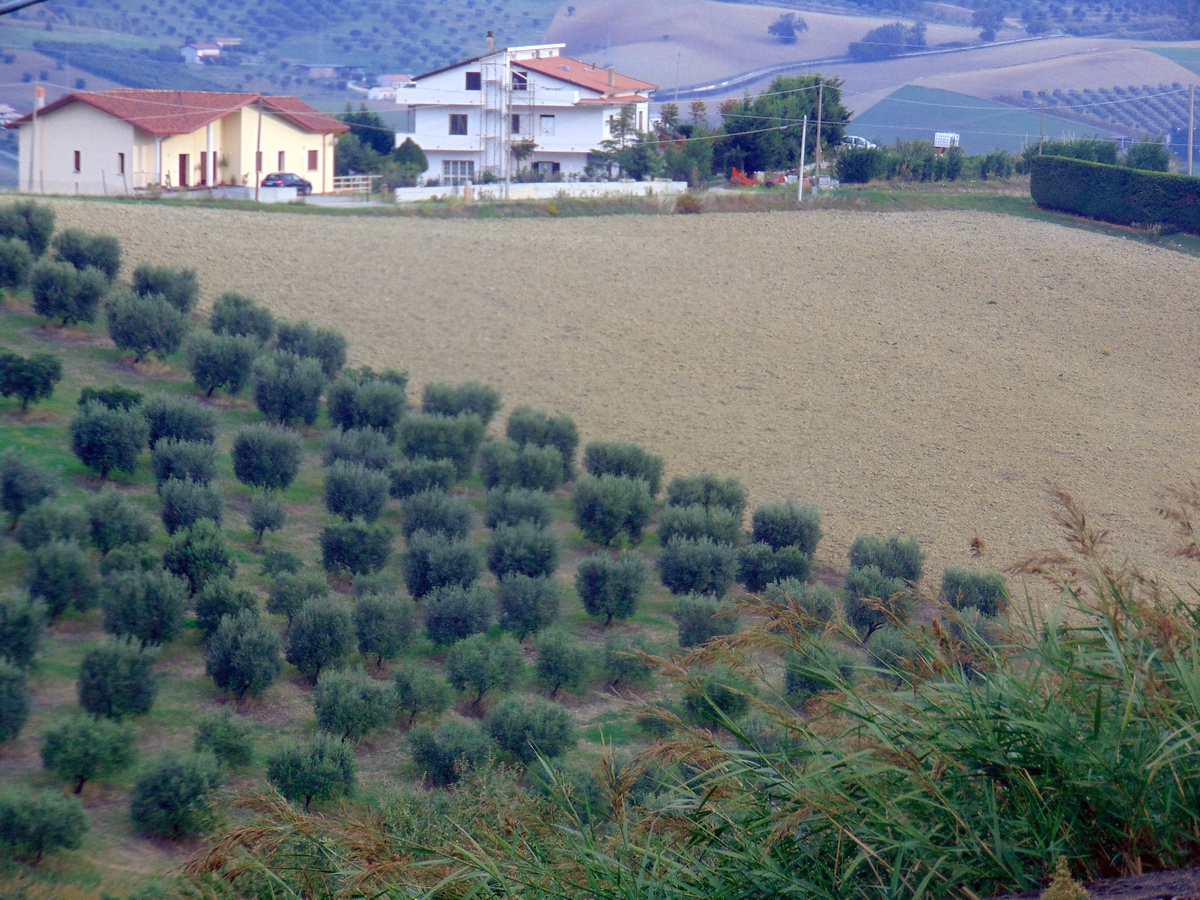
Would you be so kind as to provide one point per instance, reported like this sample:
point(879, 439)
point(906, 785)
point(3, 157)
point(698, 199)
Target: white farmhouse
point(524, 106)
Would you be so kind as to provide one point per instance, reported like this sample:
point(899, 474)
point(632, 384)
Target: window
point(458, 123)
point(520, 81)
point(474, 82)
point(282, 160)
point(120, 163)
point(546, 124)
point(458, 171)
point(78, 161)
point(516, 124)
point(545, 167)
point(312, 161)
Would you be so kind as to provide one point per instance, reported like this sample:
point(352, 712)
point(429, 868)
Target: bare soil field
point(928, 372)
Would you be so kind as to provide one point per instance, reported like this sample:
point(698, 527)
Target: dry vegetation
point(929, 372)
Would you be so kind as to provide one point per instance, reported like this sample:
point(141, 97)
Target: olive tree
point(148, 606)
point(29, 378)
point(82, 748)
point(33, 823)
point(266, 457)
point(322, 769)
point(349, 703)
point(244, 655)
point(170, 796)
point(116, 680)
point(322, 634)
point(145, 324)
point(24, 482)
point(108, 439)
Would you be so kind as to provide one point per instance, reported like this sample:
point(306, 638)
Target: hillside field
point(927, 372)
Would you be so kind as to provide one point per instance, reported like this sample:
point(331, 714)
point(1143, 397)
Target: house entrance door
point(183, 170)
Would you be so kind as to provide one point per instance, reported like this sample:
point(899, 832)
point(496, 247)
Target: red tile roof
point(165, 113)
point(584, 75)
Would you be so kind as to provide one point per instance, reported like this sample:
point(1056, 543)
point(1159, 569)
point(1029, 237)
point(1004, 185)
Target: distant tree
point(700, 619)
point(221, 361)
point(62, 576)
point(522, 549)
point(14, 701)
point(291, 590)
point(895, 555)
point(326, 346)
point(892, 40)
point(198, 554)
point(194, 461)
point(185, 502)
point(629, 460)
point(527, 604)
point(371, 130)
point(356, 547)
point(29, 378)
point(608, 505)
point(16, 262)
point(560, 662)
point(170, 796)
point(385, 624)
point(786, 27)
point(411, 155)
point(453, 399)
point(89, 251)
point(234, 314)
point(989, 20)
point(322, 634)
point(62, 292)
point(454, 612)
point(114, 396)
point(177, 286)
point(435, 561)
point(227, 738)
point(221, 597)
point(689, 566)
point(873, 600)
point(49, 521)
point(529, 727)
point(82, 749)
point(114, 522)
point(21, 622)
point(787, 523)
point(354, 491)
point(267, 457)
point(322, 769)
point(148, 606)
point(527, 425)
point(287, 387)
point(23, 483)
point(364, 446)
point(181, 418)
point(621, 663)
point(456, 438)
point(31, 222)
point(32, 824)
point(418, 691)
point(108, 439)
point(766, 132)
point(116, 680)
point(349, 703)
point(267, 513)
point(444, 755)
point(611, 588)
point(479, 664)
point(1148, 155)
point(145, 324)
point(362, 398)
point(244, 655)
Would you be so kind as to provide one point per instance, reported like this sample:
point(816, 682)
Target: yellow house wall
point(280, 136)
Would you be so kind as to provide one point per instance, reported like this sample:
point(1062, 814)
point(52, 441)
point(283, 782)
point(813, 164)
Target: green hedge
point(1115, 193)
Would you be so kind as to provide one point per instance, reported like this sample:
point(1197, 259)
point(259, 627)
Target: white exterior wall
point(98, 137)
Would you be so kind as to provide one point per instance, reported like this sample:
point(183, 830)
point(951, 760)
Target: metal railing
point(355, 184)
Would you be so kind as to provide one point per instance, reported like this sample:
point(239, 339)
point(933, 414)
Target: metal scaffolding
point(506, 116)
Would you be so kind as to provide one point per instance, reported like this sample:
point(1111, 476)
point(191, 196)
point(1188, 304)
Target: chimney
point(39, 98)
point(612, 76)
point(491, 42)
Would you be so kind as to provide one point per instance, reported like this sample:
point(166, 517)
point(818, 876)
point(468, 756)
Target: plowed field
point(927, 372)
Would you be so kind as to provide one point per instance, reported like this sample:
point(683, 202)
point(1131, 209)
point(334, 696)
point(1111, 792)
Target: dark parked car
point(287, 179)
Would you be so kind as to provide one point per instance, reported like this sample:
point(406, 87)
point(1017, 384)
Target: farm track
point(930, 372)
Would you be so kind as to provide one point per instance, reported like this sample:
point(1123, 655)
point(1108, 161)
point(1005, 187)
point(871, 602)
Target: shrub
point(145, 325)
point(291, 590)
point(322, 769)
point(620, 662)
point(356, 547)
point(267, 513)
point(509, 465)
point(786, 523)
point(365, 400)
point(522, 549)
point(21, 622)
point(697, 567)
point(364, 446)
point(480, 664)
point(287, 387)
point(221, 597)
point(354, 491)
point(195, 461)
point(89, 251)
point(444, 755)
point(14, 701)
point(61, 292)
point(277, 562)
point(455, 612)
point(83, 749)
point(627, 460)
point(419, 691)
point(322, 635)
point(456, 438)
point(267, 457)
point(106, 439)
point(894, 555)
point(185, 502)
point(33, 824)
point(607, 505)
point(529, 727)
point(130, 558)
point(29, 378)
point(873, 600)
point(816, 667)
point(243, 656)
point(181, 418)
point(177, 286)
point(560, 661)
point(30, 222)
point(23, 483)
point(326, 346)
point(148, 606)
point(760, 564)
point(169, 798)
point(700, 618)
point(716, 523)
point(350, 704)
point(527, 425)
point(893, 652)
point(454, 399)
point(61, 574)
point(114, 396)
point(611, 587)
point(812, 604)
point(527, 604)
point(688, 204)
point(49, 521)
point(16, 262)
point(708, 490)
point(199, 553)
point(859, 165)
point(116, 680)
point(512, 506)
point(437, 513)
point(420, 475)
point(227, 738)
point(221, 361)
point(719, 696)
point(986, 592)
point(384, 624)
point(240, 316)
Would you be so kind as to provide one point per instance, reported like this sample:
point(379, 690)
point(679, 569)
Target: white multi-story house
point(492, 115)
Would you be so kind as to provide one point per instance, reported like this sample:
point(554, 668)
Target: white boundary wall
point(544, 190)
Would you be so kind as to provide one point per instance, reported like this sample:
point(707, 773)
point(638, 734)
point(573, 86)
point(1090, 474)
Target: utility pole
point(1042, 124)
point(816, 188)
point(258, 151)
point(803, 143)
point(1191, 125)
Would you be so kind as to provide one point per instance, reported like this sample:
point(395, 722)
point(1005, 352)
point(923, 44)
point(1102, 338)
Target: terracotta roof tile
point(585, 75)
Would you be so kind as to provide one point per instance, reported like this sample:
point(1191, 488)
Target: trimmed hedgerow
point(707, 489)
point(895, 555)
point(418, 475)
point(761, 564)
point(608, 505)
point(787, 523)
point(522, 549)
point(456, 438)
point(987, 592)
point(469, 397)
point(437, 560)
point(437, 512)
point(527, 425)
point(511, 506)
point(716, 523)
point(510, 465)
point(629, 460)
